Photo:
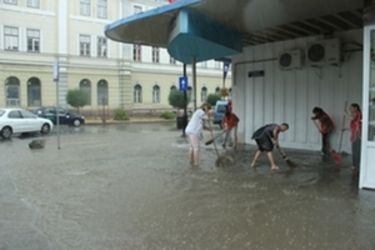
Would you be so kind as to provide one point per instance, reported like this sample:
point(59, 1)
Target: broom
point(288, 162)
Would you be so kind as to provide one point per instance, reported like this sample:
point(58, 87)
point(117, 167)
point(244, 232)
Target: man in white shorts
point(194, 130)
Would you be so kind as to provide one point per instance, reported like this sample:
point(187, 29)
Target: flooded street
point(131, 187)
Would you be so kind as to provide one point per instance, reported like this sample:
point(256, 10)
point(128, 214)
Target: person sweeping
point(229, 124)
point(266, 137)
point(325, 126)
point(355, 136)
point(194, 130)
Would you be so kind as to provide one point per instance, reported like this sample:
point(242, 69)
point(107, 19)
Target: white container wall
point(289, 96)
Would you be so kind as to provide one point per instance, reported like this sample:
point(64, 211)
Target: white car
point(16, 121)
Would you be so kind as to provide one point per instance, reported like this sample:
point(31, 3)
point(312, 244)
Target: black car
point(65, 116)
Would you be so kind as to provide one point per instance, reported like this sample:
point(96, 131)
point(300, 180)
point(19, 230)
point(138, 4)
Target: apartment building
point(35, 35)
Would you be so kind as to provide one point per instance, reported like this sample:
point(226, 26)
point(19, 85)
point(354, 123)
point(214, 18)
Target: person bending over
point(266, 137)
point(325, 126)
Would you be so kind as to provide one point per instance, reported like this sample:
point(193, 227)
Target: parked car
point(65, 116)
point(219, 111)
point(18, 121)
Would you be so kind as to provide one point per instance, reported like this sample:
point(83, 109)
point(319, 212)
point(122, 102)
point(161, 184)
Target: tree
point(176, 99)
point(212, 99)
point(76, 98)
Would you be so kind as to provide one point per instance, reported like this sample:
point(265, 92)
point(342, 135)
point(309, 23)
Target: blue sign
point(183, 80)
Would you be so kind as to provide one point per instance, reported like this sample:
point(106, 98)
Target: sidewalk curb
point(131, 121)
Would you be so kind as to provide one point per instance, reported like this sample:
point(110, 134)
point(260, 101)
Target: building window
point(155, 55)
point(102, 8)
point(137, 94)
point(11, 38)
point(34, 92)
point(102, 47)
point(84, 45)
point(172, 60)
point(14, 2)
point(33, 3)
point(203, 94)
point(137, 53)
point(12, 90)
point(103, 92)
point(84, 7)
point(217, 91)
point(156, 94)
point(33, 40)
point(173, 87)
point(137, 9)
point(217, 65)
point(85, 87)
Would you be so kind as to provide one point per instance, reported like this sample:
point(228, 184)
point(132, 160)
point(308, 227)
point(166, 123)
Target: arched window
point(203, 94)
point(173, 87)
point(217, 91)
point(12, 91)
point(156, 94)
point(85, 87)
point(137, 94)
point(189, 92)
point(102, 92)
point(34, 96)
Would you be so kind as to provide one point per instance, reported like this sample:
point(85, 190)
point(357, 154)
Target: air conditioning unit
point(291, 59)
point(324, 52)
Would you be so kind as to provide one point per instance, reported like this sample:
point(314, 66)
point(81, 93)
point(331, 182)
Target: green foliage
point(76, 98)
point(212, 99)
point(168, 115)
point(176, 99)
point(120, 115)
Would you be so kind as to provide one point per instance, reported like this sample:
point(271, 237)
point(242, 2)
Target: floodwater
point(131, 187)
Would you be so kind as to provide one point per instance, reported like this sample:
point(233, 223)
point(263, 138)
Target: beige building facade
point(36, 35)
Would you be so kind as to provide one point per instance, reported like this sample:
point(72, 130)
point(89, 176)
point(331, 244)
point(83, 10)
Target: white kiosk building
point(288, 57)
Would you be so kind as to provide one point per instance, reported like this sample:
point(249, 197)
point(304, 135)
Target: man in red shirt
point(229, 124)
point(326, 126)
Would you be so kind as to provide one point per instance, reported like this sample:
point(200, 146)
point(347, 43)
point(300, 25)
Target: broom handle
point(343, 125)
point(215, 137)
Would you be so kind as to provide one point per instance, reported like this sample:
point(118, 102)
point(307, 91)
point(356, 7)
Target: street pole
point(195, 82)
point(56, 75)
point(185, 106)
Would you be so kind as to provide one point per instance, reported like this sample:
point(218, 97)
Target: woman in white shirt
point(194, 130)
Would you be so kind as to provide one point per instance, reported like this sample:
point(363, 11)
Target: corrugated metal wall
point(289, 96)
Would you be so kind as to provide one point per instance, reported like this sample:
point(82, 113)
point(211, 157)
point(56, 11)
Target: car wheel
point(46, 128)
point(76, 123)
point(6, 132)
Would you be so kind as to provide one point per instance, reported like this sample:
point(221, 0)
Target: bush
point(120, 115)
point(176, 99)
point(212, 99)
point(167, 115)
point(76, 98)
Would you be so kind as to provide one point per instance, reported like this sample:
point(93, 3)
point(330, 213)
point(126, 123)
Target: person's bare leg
point(272, 161)
point(196, 157)
point(191, 155)
point(256, 157)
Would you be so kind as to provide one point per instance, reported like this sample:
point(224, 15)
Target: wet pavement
point(131, 187)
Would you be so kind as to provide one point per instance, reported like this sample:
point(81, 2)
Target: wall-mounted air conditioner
point(324, 52)
point(291, 59)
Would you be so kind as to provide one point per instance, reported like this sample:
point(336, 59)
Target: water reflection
point(131, 187)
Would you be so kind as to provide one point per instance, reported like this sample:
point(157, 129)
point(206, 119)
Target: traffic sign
point(183, 80)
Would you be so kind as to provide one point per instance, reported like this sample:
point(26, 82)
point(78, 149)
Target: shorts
point(264, 144)
point(194, 141)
